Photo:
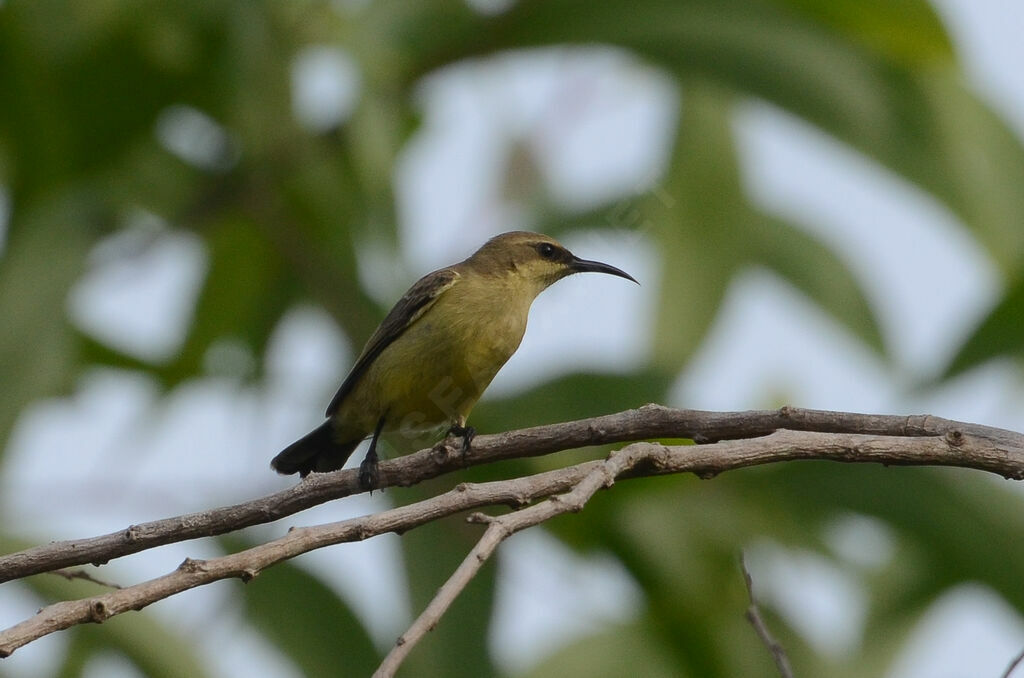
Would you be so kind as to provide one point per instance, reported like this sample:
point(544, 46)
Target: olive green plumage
point(437, 350)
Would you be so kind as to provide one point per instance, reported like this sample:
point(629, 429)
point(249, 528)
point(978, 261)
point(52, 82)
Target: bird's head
point(533, 260)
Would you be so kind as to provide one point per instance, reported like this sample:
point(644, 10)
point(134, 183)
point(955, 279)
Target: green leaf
point(620, 651)
point(60, 115)
point(1000, 334)
point(42, 261)
point(245, 293)
point(908, 31)
point(815, 270)
point(572, 396)
point(954, 146)
point(679, 539)
point(309, 622)
point(94, 352)
point(154, 649)
point(696, 215)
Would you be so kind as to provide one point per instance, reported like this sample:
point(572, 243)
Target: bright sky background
point(108, 454)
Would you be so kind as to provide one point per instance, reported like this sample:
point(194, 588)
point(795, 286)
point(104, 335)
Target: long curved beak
point(577, 265)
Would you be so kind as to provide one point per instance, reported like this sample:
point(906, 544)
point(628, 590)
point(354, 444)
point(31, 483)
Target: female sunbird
point(436, 351)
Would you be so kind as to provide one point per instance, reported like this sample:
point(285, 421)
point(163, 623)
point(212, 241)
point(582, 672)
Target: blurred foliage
point(333, 636)
point(184, 111)
point(152, 648)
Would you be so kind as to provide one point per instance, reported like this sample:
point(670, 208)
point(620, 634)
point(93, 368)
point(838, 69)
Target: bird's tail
point(318, 451)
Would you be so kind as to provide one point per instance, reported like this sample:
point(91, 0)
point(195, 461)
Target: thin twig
point(71, 575)
point(498, 529)
point(247, 564)
point(985, 448)
point(1013, 665)
point(753, 615)
point(464, 573)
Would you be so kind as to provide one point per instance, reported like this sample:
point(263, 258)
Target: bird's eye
point(546, 250)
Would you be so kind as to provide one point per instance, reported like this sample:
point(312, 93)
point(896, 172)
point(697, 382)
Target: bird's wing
point(409, 308)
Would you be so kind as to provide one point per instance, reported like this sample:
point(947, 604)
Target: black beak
point(577, 265)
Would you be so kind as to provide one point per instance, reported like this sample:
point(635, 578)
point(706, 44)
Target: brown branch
point(247, 564)
point(71, 575)
point(754, 617)
point(601, 475)
point(988, 449)
point(955, 448)
point(1013, 665)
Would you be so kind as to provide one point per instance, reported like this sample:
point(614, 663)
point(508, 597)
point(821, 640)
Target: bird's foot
point(467, 433)
point(369, 474)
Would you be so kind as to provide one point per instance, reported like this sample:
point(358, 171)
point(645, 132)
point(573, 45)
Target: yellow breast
point(434, 373)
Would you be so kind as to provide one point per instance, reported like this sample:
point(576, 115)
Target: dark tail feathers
point(315, 451)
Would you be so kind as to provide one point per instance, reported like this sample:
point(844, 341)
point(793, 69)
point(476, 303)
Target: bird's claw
point(369, 475)
point(467, 433)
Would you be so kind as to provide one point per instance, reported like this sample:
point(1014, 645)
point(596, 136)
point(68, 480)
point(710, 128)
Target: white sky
point(211, 442)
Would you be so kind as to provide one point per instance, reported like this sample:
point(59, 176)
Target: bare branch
point(247, 564)
point(601, 475)
point(981, 447)
point(754, 617)
point(71, 575)
point(948, 443)
point(1013, 665)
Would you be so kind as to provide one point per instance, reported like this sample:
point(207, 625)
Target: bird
point(436, 352)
